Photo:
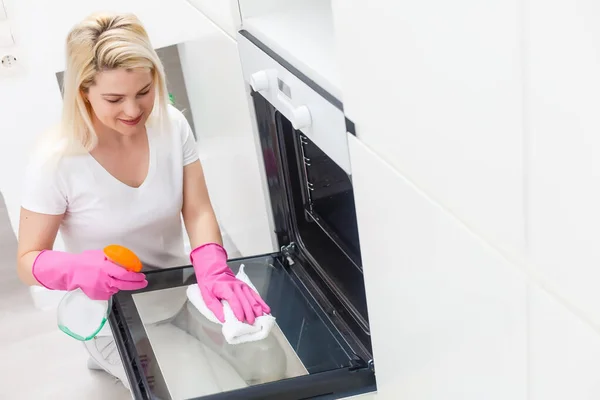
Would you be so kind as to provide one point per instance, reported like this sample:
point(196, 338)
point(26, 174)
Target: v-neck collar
point(151, 165)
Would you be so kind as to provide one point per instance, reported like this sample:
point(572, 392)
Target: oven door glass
point(171, 351)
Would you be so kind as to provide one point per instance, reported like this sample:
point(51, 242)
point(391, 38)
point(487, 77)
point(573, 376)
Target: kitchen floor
point(37, 361)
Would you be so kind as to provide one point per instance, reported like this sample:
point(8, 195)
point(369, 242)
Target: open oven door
point(172, 352)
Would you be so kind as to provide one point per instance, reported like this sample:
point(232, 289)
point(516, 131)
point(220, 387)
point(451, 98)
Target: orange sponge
point(124, 257)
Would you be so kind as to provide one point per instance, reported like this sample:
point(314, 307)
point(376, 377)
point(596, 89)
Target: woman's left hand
point(217, 282)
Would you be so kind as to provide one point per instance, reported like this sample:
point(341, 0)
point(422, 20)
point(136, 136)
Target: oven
point(320, 346)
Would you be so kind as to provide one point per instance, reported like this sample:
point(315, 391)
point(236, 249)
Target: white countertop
point(304, 37)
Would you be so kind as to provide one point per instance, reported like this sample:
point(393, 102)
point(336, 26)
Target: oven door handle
point(300, 116)
point(264, 82)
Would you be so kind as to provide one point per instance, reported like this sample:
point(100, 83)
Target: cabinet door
point(447, 313)
point(225, 133)
point(564, 152)
point(224, 13)
point(564, 351)
point(434, 88)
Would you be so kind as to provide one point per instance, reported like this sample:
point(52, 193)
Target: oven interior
point(313, 206)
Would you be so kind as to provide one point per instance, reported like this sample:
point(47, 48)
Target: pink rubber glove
point(217, 282)
point(91, 271)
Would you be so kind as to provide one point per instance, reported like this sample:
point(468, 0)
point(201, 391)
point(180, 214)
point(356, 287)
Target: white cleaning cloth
point(234, 331)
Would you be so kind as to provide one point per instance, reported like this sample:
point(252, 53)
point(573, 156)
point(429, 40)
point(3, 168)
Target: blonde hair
point(101, 42)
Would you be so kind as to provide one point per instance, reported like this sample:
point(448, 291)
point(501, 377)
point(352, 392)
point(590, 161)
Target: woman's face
point(123, 99)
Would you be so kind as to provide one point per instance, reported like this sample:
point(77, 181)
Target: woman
point(121, 168)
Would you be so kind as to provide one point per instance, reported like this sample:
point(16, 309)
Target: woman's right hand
point(91, 271)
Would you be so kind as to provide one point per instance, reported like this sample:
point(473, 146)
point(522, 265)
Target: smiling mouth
point(131, 121)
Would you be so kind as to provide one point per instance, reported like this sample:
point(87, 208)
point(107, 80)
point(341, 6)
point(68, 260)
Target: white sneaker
point(104, 355)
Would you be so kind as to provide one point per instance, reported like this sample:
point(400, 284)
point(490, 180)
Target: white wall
point(480, 119)
point(31, 101)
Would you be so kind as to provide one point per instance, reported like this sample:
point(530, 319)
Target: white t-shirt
point(101, 210)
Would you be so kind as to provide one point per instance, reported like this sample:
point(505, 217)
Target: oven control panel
point(308, 110)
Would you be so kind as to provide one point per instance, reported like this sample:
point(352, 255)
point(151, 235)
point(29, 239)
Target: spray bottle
point(83, 318)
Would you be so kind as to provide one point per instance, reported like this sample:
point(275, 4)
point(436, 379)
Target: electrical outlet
point(8, 61)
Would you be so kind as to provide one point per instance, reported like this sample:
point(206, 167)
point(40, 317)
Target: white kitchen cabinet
point(434, 88)
point(564, 152)
point(224, 13)
point(448, 314)
point(564, 351)
point(230, 14)
point(226, 139)
point(257, 8)
point(301, 32)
